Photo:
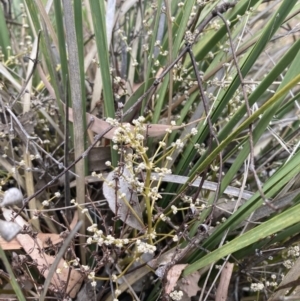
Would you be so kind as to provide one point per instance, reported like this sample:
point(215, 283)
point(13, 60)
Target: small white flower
point(57, 194)
point(92, 228)
point(108, 163)
point(91, 275)
point(141, 119)
point(22, 163)
point(176, 295)
point(93, 283)
point(163, 217)
point(175, 238)
point(153, 234)
point(256, 287)
point(143, 247)
point(112, 121)
point(174, 209)
point(99, 232)
point(134, 63)
point(194, 131)
point(288, 264)
point(109, 240)
point(45, 203)
point(114, 277)
point(85, 267)
point(75, 263)
point(139, 137)
point(178, 144)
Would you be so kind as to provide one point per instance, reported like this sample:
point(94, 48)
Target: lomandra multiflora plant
point(132, 190)
point(184, 191)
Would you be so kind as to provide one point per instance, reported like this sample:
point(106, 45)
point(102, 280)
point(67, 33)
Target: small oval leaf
point(12, 196)
point(8, 230)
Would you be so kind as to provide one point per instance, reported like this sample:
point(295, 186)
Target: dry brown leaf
point(222, 291)
point(15, 245)
point(127, 208)
point(189, 284)
point(43, 261)
point(99, 126)
point(97, 158)
point(44, 237)
point(156, 130)
point(173, 276)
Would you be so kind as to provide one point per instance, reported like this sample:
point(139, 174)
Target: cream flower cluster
point(125, 134)
point(176, 295)
point(144, 248)
point(99, 238)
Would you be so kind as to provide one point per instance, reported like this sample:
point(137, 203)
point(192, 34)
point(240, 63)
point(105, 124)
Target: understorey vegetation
point(149, 150)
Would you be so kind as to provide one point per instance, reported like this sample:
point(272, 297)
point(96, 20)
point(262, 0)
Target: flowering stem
point(147, 198)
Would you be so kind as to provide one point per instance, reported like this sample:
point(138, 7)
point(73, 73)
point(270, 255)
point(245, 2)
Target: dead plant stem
point(240, 75)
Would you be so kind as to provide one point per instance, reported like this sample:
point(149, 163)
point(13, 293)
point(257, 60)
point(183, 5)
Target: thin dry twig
point(83, 155)
point(58, 258)
point(240, 75)
point(35, 63)
point(219, 9)
point(210, 126)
